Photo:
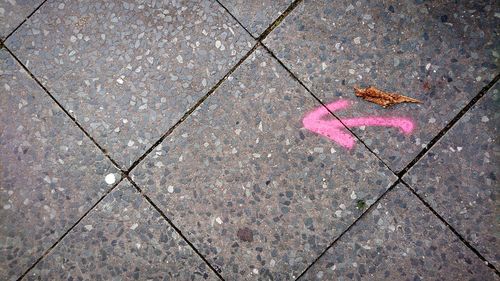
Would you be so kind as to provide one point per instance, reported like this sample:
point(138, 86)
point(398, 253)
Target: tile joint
point(448, 225)
point(49, 250)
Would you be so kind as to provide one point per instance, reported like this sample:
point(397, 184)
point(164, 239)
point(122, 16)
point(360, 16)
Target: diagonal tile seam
point(448, 225)
point(193, 108)
point(268, 30)
point(400, 175)
point(263, 36)
point(450, 124)
point(356, 221)
point(47, 252)
point(295, 77)
point(272, 26)
point(162, 214)
point(234, 18)
point(260, 38)
point(64, 109)
point(25, 19)
point(125, 173)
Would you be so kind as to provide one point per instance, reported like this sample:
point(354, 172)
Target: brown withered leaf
point(384, 99)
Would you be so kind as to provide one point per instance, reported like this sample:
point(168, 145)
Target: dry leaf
point(382, 98)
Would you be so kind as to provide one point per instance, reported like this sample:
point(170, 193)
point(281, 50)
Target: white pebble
point(357, 40)
point(353, 195)
point(179, 59)
point(170, 189)
point(88, 227)
point(485, 119)
point(110, 178)
point(218, 220)
point(134, 226)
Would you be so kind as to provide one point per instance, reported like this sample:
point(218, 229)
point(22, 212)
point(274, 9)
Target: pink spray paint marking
point(315, 121)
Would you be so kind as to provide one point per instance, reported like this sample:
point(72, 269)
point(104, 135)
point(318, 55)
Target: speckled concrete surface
point(256, 15)
point(51, 173)
point(243, 164)
point(244, 186)
point(459, 176)
point(441, 52)
point(399, 240)
point(129, 71)
point(13, 12)
point(123, 238)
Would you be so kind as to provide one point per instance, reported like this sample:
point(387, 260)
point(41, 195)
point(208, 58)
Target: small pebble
point(110, 179)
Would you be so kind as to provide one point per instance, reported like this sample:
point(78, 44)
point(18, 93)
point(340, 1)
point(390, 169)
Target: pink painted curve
point(334, 130)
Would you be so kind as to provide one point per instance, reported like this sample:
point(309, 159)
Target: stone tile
point(256, 15)
point(12, 14)
point(441, 52)
point(256, 193)
point(123, 238)
point(459, 176)
point(51, 173)
point(400, 239)
point(129, 71)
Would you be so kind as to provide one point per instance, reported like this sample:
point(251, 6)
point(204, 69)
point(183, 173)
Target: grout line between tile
point(411, 164)
point(192, 109)
point(236, 19)
point(64, 110)
point(47, 252)
point(125, 174)
point(25, 19)
point(449, 125)
point(278, 20)
point(364, 214)
point(272, 26)
point(173, 226)
point(318, 100)
point(213, 89)
point(460, 237)
point(415, 160)
point(217, 85)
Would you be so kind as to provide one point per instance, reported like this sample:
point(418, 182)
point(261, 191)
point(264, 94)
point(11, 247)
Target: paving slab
point(51, 173)
point(400, 239)
point(129, 71)
point(458, 177)
point(13, 13)
point(122, 238)
point(256, 15)
point(259, 196)
point(440, 52)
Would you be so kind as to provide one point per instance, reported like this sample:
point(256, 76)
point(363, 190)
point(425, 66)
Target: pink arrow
point(315, 121)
